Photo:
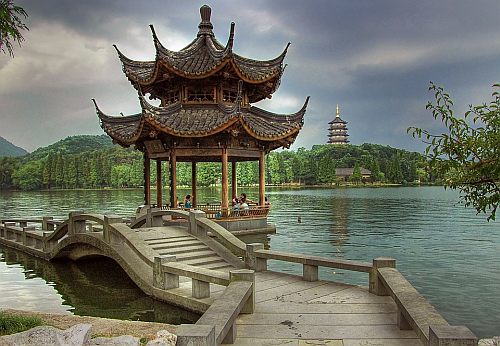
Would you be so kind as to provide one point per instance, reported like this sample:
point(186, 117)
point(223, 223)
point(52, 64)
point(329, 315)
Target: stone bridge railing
point(217, 324)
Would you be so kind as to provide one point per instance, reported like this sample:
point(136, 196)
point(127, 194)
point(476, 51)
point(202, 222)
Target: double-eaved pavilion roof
point(182, 120)
point(202, 60)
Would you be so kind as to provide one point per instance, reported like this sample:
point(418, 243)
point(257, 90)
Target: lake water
point(447, 252)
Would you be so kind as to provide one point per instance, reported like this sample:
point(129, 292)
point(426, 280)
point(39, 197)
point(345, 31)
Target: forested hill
point(73, 145)
point(94, 162)
point(9, 149)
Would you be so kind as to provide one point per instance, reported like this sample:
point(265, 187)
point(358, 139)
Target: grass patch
point(11, 324)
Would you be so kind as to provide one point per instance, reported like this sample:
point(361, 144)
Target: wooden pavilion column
point(233, 179)
point(262, 178)
point(193, 183)
point(159, 191)
point(147, 179)
point(173, 178)
point(225, 192)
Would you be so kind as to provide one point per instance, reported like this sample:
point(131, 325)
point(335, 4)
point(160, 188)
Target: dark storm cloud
point(374, 58)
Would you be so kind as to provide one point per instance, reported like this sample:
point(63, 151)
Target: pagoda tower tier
point(337, 132)
point(205, 113)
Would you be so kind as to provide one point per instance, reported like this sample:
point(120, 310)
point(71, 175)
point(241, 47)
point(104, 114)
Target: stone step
point(218, 265)
point(182, 249)
point(177, 245)
point(195, 254)
point(202, 260)
point(170, 240)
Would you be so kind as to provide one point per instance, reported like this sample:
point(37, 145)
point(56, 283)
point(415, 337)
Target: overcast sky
point(374, 58)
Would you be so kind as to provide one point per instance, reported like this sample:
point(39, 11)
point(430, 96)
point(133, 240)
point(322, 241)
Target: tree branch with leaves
point(468, 155)
point(11, 25)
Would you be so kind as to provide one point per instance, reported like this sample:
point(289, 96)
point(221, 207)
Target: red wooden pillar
point(159, 192)
point(147, 179)
point(233, 180)
point(193, 183)
point(225, 192)
point(262, 178)
point(173, 179)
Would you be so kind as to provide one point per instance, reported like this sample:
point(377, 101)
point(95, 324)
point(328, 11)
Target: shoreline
point(101, 326)
point(288, 185)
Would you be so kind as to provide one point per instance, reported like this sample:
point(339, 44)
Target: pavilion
point(205, 114)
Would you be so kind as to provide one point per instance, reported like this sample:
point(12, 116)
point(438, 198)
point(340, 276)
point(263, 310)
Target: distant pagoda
point(205, 92)
point(338, 130)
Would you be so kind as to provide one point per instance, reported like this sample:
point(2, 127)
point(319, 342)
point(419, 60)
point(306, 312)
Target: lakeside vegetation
point(94, 162)
point(12, 324)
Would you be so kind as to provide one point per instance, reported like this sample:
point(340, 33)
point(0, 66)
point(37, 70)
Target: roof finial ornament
point(205, 26)
point(337, 113)
point(230, 40)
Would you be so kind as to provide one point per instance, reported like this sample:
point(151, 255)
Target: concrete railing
point(415, 312)
point(226, 238)
point(218, 323)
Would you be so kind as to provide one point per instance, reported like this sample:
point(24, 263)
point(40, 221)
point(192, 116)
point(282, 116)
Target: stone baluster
point(194, 229)
point(375, 285)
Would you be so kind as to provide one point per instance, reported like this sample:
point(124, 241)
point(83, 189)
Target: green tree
point(11, 24)
point(356, 174)
point(469, 151)
point(29, 176)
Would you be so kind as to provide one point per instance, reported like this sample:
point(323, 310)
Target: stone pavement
point(290, 311)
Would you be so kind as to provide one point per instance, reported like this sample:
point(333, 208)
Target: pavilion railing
point(215, 211)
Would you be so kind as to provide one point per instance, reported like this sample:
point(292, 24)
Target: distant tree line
point(93, 162)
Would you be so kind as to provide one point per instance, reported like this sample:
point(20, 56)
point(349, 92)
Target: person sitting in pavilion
point(187, 202)
point(244, 203)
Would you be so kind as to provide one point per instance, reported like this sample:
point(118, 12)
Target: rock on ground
point(495, 341)
point(78, 335)
point(163, 338)
point(124, 340)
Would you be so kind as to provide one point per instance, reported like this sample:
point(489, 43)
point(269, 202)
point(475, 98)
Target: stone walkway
point(290, 311)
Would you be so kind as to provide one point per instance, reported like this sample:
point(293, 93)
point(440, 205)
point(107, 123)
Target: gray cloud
point(374, 58)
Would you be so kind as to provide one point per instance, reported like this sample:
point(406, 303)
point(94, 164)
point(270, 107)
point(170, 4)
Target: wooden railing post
point(375, 285)
point(195, 335)
point(443, 335)
point(108, 221)
point(250, 258)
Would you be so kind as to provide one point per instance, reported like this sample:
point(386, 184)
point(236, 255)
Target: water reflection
point(339, 222)
point(93, 287)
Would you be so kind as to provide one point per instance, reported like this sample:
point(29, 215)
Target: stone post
point(45, 225)
point(375, 285)
point(443, 335)
point(108, 221)
point(245, 275)
point(26, 240)
point(250, 258)
point(200, 289)
point(47, 244)
point(149, 217)
point(75, 226)
point(310, 272)
point(167, 281)
point(193, 226)
point(156, 220)
point(195, 335)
